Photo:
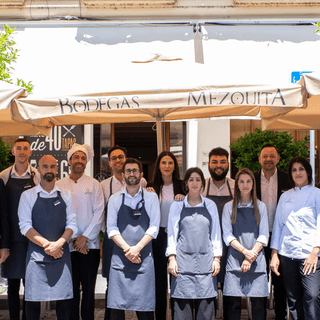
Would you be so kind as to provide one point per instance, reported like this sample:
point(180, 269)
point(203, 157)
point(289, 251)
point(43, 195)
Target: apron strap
point(208, 189)
point(229, 189)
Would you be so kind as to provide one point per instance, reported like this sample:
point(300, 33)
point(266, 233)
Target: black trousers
point(63, 308)
point(116, 314)
point(302, 290)
point(280, 296)
point(14, 299)
point(159, 246)
point(183, 309)
point(258, 305)
point(84, 272)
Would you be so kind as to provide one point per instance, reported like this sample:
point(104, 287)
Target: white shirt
point(116, 186)
point(269, 195)
point(296, 229)
point(4, 175)
point(173, 225)
point(88, 204)
point(227, 226)
point(166, 200)
point(151, 204)
point(222, 191)
point(28, 200)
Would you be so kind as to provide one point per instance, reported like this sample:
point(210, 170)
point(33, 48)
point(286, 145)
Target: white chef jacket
point(151, 204)
point(296, 229)
point(227, 226)
point(173, 225)
point(28, 200)
point(88, 204)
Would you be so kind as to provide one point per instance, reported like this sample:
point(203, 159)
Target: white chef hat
point(85, 148)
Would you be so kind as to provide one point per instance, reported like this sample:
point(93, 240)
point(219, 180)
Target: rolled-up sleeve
point(173, 227)
point(25, 212)
point(112, 216)
point(215, 231)
point(277, 225)
point(154, 215)
point(263, 225)
point(226, 224)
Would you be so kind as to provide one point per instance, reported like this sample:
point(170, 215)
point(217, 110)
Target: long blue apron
point(107, 245)
point(14, 267)
point(220, 201)
point(194, 256)
point(253, 283)
point(47, 278)
point(132, 286)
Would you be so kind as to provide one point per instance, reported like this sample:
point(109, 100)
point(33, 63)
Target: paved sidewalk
point(99, 315)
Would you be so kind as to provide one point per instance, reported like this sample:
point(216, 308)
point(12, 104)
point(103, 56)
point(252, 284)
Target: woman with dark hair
point(245, 232)
point(194, 251)
point(296, 242)
point(168, 186)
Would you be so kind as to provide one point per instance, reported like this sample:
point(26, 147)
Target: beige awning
point(9, 127)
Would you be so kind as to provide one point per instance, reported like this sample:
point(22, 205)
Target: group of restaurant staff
point(203, 231)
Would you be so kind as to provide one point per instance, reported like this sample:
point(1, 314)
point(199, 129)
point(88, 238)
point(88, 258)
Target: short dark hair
point(21, 140)
point(187, 175)
point(268, 145)
point(305, 163)
point(219, 152)
point(132, 160)
point(117, 148)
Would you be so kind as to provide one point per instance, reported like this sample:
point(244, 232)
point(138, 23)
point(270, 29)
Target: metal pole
point(312, 155)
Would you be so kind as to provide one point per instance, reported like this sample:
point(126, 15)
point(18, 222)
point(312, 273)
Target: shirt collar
point(303, 188)
point(249, 205)
point(40, 189)
point(14, 172)
point(274, 174)
point(185, 200)
point(224, 184)
point(124, 190)
point(118, 181)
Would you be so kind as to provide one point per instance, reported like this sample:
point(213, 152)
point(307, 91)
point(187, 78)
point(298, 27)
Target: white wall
point(204, 135)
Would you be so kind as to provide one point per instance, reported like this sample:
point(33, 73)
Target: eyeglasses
point(134, 171)
point(121, 157)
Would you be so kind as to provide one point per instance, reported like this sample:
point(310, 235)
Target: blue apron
point(132, 286)
point(220, 201)
point(14, 267)
point(107, 245)
point(253, 283)
point(48, 279)
point(194, 256)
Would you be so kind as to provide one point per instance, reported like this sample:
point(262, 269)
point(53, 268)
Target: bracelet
point(216, 259)
point(243, 250)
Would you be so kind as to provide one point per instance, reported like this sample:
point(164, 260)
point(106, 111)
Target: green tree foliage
point(4, 155)
point(247, 148)
point(8, 56)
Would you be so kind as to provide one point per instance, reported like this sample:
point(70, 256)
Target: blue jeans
point(302, 290)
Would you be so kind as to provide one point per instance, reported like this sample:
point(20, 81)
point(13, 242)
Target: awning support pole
point(159, 135)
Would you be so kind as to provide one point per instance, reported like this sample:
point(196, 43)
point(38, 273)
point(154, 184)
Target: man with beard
point(132, 222)
point(47, 220)
point(220, 189)
point(117, 157)
point(17, 178)
point(271, 183)
point(87, 202)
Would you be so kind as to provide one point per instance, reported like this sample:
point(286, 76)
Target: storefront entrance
point(141, 143)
